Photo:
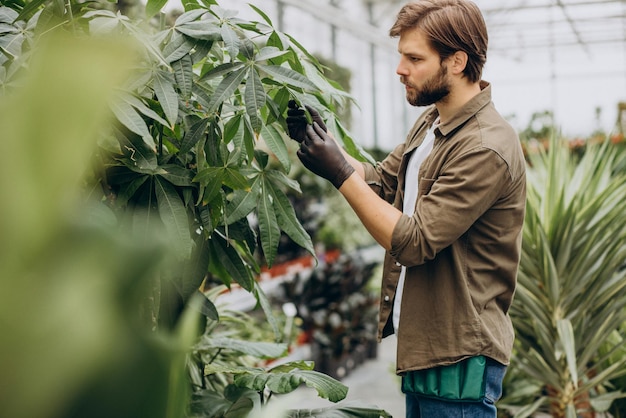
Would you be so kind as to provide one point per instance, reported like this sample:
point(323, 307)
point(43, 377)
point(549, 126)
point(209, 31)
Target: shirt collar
point(468, 110)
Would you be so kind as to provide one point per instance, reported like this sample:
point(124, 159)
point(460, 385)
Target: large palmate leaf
point(154, 6)
point(242, 203)
point(129, 117)
point(231, 40)
point(276, 143)
point(287, 220)
point(269, 231)
point(183, 71)
point(257, 349)
point(177, 175)
point(284, 379)
point(287, 76)
point(228, 264)
point(288, 377)
point(227, 88)
point(166, 93)
point(204, 29)
point(139, 105)
point(255, 99)
point(178, 46)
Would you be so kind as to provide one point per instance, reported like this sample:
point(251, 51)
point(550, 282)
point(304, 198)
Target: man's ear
point(458, 62)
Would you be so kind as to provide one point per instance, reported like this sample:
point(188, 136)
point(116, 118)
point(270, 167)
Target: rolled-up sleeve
point(383, 177)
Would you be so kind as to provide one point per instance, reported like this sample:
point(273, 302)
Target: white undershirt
point(410, 199)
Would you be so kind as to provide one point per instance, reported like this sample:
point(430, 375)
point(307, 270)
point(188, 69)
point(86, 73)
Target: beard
point(435, 89)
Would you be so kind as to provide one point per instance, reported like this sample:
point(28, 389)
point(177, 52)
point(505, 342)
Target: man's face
point(421, 71)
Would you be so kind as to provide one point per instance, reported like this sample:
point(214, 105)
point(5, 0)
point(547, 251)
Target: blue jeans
point(422, 407)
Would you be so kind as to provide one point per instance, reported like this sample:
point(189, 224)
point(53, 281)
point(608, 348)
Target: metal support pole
point(333, 36)
point(370, 11)
point(280, 11)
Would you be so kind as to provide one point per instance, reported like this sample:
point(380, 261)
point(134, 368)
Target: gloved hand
point(297, 122)
point(321, 154)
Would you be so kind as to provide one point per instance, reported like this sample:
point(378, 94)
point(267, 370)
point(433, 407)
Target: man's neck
point(458, 97)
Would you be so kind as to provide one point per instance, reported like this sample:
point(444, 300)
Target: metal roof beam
point(547, 6)
point(573, 27)
point(338, 17)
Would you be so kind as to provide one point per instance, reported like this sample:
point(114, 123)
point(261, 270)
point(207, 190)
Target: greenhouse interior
point(168, 251)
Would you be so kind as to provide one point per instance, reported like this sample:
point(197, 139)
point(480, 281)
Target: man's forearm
point(377, 215)
point(358, 167)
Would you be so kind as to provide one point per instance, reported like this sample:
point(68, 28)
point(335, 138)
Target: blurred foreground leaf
point(72, 342)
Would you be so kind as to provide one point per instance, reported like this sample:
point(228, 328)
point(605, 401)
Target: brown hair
point(450, 26)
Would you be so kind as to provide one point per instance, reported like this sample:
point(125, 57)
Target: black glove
point(321, 154)
point(296, 120)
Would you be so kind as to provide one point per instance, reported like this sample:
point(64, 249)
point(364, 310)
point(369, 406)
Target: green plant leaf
point(268, 226)
point(194, 134)
point(240, 408)
point(29, 9)
point(276, 143)
point(129, 117)
point(566, 336)
point(243, 202)
point(212, 404)
point(177, 175)
point(183, 72)
point(104, 25)
point(178, 46)
point(226, 88)
point(128, 190)
point(288, 76)
point(200, 30)
point(154, 6)
point(166, 93)
point(145, 40)
point(139, 105)
point(211, 179)
point(231, 40)
point(343, 410)
point(269, 52)
point(221, 70)
point(287, 219)
point(261, 350)
point(261, 13)
point(326, 386)
point(249, 138)
point(234, 179)
point(280, 178)
point(234, 131)
point(174, 216)
point(268, 310)
point(228, 258)
point(190, 16)
point(254, 98)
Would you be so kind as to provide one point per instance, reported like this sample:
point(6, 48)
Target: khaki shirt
point(462, 245)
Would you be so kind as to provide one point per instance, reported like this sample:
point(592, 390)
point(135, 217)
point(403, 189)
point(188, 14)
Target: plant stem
point(217, 353)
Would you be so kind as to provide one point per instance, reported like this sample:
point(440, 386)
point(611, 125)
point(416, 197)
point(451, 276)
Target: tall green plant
point(186, 151)
point(197, 146)
point(570, 305)
point(71, 340)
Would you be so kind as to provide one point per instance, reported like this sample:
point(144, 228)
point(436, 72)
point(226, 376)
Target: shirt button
point(386, 298)
point(398, 264)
